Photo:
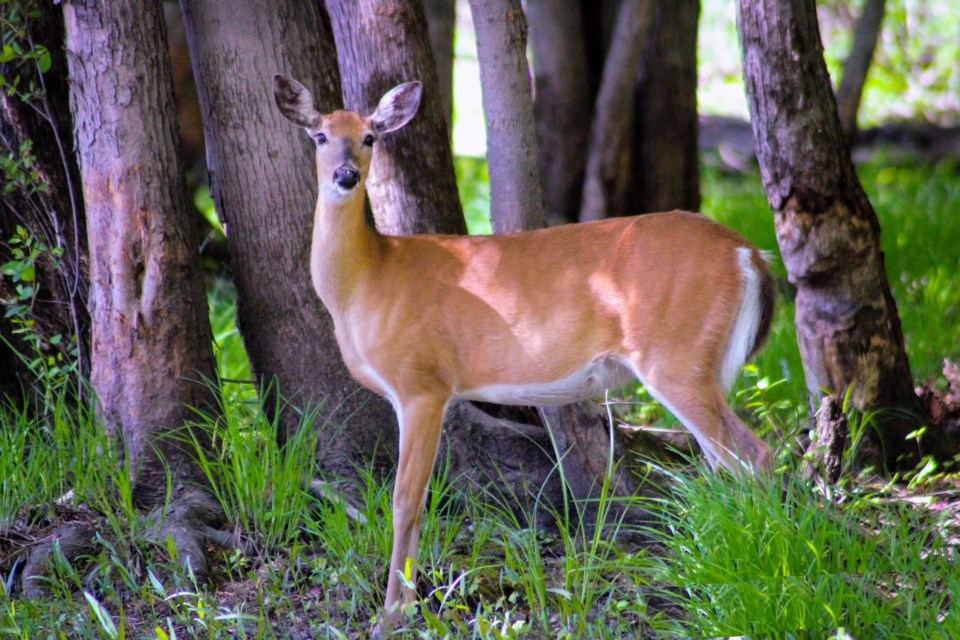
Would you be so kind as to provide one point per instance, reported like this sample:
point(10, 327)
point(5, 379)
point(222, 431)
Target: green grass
point(748, 558)
point(730, 558)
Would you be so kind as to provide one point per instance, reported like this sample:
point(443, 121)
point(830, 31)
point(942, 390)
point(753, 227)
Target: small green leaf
point(45, 61)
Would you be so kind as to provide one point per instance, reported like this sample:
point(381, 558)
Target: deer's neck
point(344, 248)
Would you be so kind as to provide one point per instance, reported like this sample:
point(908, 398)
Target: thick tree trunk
point(666, 166)
point(264, 185)
point(611, 135)
point(855, 67)
point(516, 196)
point(152, 359)
point(847, 323)
point(562, 102)
point(442, 25)
point(412, 185)
point(53, 215)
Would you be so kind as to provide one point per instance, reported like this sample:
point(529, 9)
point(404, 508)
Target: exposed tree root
point(193, 521)
point(69, 541)
point(825, 452)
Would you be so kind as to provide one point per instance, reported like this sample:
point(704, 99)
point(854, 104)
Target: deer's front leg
point(420, 420)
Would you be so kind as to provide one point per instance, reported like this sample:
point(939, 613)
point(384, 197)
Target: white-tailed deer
point(536, 318)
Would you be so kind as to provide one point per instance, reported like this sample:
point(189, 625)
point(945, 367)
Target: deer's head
point(345, 139)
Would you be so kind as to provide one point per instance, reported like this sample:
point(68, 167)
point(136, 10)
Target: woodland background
point(155, 488)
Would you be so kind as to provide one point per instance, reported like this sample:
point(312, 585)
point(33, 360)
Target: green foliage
point(913, 73)
point(917, 206)
point(912, 76)
point(233, 365)
point(20, 172)
point(261, 486)
point(52, 359)
point(753, 558)
point(19, 50)
point(474, 186)
point(741, 557)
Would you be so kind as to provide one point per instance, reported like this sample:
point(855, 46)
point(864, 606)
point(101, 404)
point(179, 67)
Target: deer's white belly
point(592, 380)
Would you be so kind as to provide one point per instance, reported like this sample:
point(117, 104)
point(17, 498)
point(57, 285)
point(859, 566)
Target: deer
point(544, 317)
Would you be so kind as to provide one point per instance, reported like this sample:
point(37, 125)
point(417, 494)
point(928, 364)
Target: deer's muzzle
point(346, 177)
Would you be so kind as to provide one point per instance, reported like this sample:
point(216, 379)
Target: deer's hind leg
point(698, 402)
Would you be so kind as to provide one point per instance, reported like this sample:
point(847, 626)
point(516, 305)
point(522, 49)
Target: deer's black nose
point(346, 177)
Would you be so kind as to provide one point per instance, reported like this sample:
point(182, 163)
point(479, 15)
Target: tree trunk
point(610, 153)
point(442, 26)
point(412, 185)
point(847, 323)
point(48, 205)
point(152, 359)
point(578, 432)
point(666, 169)
point(516, 196)
point(563, 102)
point(263, 183)
point(855, 67)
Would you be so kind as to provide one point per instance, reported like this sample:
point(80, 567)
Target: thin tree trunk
point(611, 134)
point(847, 323)
point(53, 215)
point(516, 196)
point(666, 158)
point(152, 357)
point(562, 104)
point(263, 182)
point(857, 64)
point(442, 25)
point(412, 185)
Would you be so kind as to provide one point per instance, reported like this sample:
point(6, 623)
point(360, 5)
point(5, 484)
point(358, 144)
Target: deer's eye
point(321, 138)
point(368, 140)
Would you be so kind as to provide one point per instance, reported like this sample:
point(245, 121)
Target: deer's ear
point(397, 107)
point(295, 102)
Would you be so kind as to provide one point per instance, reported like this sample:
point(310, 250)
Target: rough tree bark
point(562, 102)
point(666, 158)
point(151, 347)
point(264, 185)
point(54, 215)
point(611, 134)
point(516, 195)
point(847, 323)
point(152, 356)
point(857, 64)
point(412, 185)
point(442, 26)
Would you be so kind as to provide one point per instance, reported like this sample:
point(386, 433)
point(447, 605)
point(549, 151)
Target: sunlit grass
point(777, 558)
